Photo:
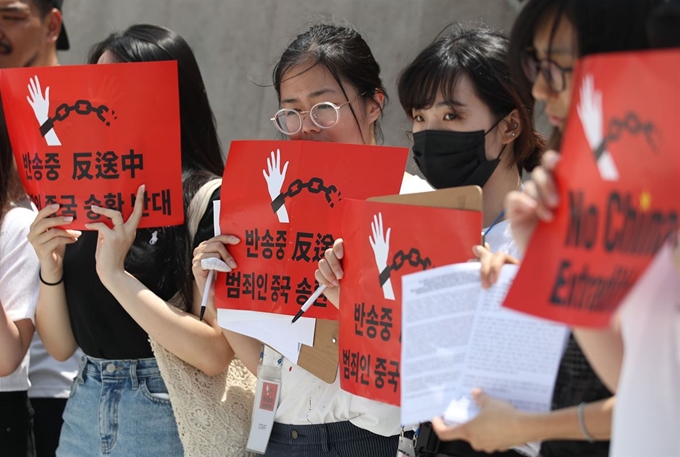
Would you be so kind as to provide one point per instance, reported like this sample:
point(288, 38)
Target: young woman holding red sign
point(548, 37)
point(18, 295)
point(328, 70)
point(471, 126)
point(107, 290)
point(646, 424)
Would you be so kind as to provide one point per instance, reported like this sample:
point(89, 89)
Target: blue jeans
point(115, 410)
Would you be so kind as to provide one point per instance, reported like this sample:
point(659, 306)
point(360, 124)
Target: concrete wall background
point(237, 41)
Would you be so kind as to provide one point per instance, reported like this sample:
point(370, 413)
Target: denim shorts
point(119, 408)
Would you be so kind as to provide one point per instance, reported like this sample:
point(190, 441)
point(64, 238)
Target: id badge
point(264, 409)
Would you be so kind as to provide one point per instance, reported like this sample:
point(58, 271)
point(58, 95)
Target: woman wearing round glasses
point(323, 115)
point(330, 90)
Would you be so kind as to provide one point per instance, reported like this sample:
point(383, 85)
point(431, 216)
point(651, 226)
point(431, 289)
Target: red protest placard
point(383, 242)
point(92, 134)
point(281, 198)
point(618, 186)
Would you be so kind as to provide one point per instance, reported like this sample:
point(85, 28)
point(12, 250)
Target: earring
point(515, 125)
point(513, 133)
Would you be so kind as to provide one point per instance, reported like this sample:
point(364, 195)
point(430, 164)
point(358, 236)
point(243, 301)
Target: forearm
point(563, 424)
point(53, 322)
point(245, 348)
point(604, 350)
point(200, 344)
point(15, 338)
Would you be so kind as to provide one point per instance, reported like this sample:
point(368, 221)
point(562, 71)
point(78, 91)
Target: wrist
point(112, 279)
point(530, 427)
point(51, 275)
point(50, 281)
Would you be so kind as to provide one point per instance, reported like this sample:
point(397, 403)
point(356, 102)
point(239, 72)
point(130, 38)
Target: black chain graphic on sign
point(314, 186)
point(400, 258)
point(82, 107)
point(632, 124)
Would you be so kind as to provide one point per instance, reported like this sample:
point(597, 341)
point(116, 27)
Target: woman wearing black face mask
point(471, 124)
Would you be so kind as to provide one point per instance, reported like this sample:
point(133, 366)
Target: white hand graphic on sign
point(381, 250)
point(275, 180)
point(590, 112)
point(41, 108)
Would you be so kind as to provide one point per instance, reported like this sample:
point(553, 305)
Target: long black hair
point(11, 189)
point(344, 53)
point(201, 151)
point(600, 25)
point(663, 26)
point(481, 54)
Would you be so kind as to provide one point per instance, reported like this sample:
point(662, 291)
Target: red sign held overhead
point(618, 187)
point(383, 242)
point(92, 134)
point(281, 198)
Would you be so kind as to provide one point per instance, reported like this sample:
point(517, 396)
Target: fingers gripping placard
point(383, 242)
point(283, 199)
point(618, 186)
point(86, 136)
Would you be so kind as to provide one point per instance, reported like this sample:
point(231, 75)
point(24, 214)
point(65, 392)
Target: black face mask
point(452, 159)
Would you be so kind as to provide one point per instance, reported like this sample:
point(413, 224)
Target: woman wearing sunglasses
point(329, 90)
point(547, 39)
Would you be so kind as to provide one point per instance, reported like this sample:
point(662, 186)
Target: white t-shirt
point(500, 239)
point(19, 283)
point(647, 414)
point(307, 400)
point(413, 184)
point(49, 377)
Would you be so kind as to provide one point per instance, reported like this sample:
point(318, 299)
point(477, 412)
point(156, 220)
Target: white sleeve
point(19, 266)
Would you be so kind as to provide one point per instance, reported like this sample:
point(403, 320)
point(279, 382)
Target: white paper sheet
point(456, 337)
point(511, 356)
point(435, 333)
point(274, 330)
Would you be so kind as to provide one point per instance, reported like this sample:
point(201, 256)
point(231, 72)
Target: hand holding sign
point(114, 243)
point(110, 140)
point(214, 248)
point(275, 180)
point(381, 250)
point(537, 202)
point(41, 108)
point(49, 241)
point(330, 272)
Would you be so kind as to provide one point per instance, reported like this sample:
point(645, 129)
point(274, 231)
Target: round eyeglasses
point(553, 74)
point(324, 115)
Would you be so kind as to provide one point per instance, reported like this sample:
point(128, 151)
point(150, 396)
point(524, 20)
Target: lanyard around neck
point(493, 224)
